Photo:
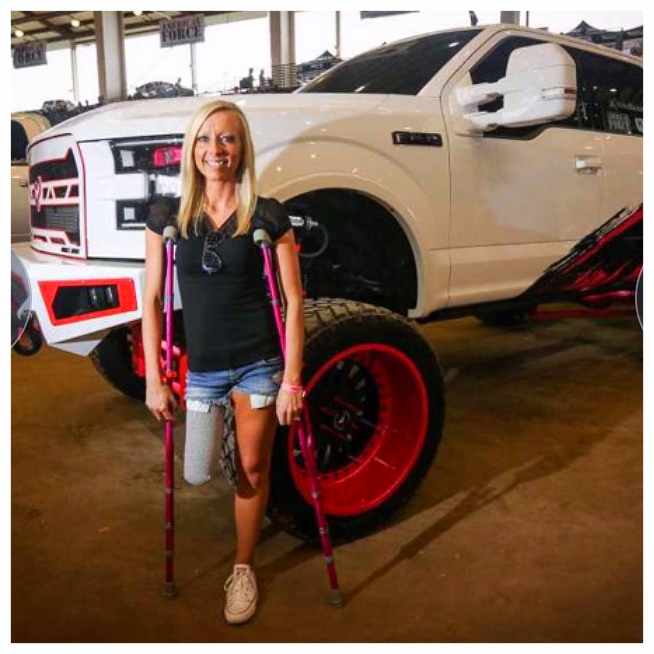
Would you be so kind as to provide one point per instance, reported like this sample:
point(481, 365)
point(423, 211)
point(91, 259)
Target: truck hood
point(271, 117)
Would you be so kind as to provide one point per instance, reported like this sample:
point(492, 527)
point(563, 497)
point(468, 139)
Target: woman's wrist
point(294, 389)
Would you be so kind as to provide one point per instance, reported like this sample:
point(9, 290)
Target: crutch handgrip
point(261, 238)
point(170, 233)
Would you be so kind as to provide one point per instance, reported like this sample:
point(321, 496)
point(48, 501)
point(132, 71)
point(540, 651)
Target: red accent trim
point(84, 237)
point(37, 191)
point(126, 294)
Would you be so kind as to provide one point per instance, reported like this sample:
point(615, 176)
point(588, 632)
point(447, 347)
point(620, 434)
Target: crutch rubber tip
point(336, 598)
point(169, 589)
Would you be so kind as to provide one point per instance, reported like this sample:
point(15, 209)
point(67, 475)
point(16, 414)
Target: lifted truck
point(479, 171)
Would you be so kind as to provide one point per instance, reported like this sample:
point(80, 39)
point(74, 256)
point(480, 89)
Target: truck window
point(609, 94)
point(401, 68)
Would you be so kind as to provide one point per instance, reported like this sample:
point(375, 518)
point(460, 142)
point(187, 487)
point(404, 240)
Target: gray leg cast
point(204, 431)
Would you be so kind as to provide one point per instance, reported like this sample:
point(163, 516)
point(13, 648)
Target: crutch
point(305, 435)
point(169, 237)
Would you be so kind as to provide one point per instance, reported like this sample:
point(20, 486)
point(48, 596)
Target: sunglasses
point(211, 260)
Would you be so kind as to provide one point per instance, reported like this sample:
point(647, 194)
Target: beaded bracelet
point(296, 389)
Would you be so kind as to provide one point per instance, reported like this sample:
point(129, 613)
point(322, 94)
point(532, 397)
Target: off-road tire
point(112, 358)
point(373, 379)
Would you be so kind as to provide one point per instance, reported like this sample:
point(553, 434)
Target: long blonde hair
point(192, 182)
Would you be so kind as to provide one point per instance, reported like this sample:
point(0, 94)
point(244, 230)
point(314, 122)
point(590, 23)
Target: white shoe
point(242, 594)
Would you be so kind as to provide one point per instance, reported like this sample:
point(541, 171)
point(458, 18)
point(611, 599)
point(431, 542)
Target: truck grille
point(54, 196)
point(65, 219)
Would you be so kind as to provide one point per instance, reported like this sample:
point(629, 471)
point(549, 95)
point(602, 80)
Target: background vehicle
point(25, 126)
point(466, 172)
point(161, 90)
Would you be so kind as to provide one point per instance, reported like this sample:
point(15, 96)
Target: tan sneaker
point(242, 594)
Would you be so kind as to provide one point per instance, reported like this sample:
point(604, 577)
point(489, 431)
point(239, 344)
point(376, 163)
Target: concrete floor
point(528, 527)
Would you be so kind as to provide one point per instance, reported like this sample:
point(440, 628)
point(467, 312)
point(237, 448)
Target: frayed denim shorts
point(260, 380)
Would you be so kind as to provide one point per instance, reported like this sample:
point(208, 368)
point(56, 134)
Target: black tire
point(112, 358)
point(375, 396)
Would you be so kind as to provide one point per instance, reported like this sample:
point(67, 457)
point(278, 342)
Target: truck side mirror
point(540, 86)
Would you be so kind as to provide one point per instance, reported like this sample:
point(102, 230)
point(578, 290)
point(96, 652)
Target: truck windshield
point(401, 68)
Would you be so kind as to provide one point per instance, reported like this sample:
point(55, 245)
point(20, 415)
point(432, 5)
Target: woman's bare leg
point(255, 431)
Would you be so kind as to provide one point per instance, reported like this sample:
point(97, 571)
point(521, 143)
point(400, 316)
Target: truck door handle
point(23, 183)
point(587, 165)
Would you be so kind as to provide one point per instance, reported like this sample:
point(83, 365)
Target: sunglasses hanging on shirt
point(211, 259)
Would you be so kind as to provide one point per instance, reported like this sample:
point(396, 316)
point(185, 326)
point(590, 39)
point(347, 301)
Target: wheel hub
point(342, 422)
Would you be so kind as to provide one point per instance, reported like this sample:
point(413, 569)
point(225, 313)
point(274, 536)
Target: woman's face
point(218, 147)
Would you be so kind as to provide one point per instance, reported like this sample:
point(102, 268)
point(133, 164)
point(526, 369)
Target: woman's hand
point(160, 400)
point(289, 406)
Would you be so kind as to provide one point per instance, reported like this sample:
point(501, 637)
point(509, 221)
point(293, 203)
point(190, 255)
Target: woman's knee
point(255, 474)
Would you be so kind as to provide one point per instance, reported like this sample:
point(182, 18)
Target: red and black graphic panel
point(604, 263)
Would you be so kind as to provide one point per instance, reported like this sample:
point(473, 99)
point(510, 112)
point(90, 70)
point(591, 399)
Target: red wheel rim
point(369, 412)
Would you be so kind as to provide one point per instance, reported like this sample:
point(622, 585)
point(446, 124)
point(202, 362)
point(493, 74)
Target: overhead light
point(74, 22)
point(138, 13)
point(19, 33)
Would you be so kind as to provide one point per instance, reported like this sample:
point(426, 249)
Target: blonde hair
point(192, 182)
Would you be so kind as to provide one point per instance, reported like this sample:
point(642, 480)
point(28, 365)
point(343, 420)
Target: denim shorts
point(260, 380)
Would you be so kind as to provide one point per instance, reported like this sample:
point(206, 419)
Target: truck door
point(521, 197)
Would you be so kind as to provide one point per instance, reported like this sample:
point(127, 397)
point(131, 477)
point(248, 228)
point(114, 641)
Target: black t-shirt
point(228, 318)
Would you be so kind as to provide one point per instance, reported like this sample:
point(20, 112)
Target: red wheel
point(374, 391)
point(369, 411)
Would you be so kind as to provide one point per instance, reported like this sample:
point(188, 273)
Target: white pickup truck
point(479, 171)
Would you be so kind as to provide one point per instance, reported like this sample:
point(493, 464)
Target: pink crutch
point(305, 435)
point(169, 237)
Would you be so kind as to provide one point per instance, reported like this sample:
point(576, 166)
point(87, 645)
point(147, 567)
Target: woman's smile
point(218, 147)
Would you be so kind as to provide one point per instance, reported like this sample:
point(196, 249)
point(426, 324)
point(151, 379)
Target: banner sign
point(185, 29)
point(29, 54)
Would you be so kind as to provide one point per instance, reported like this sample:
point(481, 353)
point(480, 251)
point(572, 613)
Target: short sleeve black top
point(228, 318)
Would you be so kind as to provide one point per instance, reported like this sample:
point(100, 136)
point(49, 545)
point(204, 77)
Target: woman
point(232, 343)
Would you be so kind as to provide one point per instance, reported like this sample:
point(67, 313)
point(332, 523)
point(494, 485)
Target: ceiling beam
point(51, 33)
point(34, 17)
